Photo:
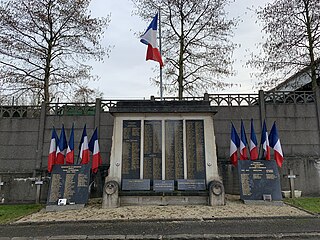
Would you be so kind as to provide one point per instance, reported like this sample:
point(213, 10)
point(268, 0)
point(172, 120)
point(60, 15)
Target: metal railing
point(81, 109)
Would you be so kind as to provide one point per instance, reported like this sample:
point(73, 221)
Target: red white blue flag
point(84, 148)
point(253, 144)
point(150, 38)
point(53, 149)
point(70, 149)
point(62, 147)
point(265, 142)
point(234, 145)
point(243, 143)
point(276, 145)
point(94, 148)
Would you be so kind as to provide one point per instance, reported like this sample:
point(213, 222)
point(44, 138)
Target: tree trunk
point(311, 48)
point(180, 77)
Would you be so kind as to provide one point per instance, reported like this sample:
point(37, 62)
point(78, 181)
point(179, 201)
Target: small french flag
point(52, 150)
point(243, 143)
point(150, 38)
point(70, 150)
point(265, 142)
point(276, 145)
point(62, 147)
point(253, 144)
point(84, 148)
point(94, 148)
point(234, 145)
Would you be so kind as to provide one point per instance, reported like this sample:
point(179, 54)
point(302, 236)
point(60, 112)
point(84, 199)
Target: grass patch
point(309, 204)
point(9, 213)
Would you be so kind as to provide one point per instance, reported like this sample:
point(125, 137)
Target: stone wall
point(25, 136)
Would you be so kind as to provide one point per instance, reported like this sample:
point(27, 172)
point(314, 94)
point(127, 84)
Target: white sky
point(126, 74)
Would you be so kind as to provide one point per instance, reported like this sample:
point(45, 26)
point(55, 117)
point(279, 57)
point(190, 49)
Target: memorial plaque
point(152, 161)
point(136, 184)
point(259, 178)
point(174, 149)
point(131, 149)
point(70, 182)
point(192, 184)
point(163, 185)
point(195, 149)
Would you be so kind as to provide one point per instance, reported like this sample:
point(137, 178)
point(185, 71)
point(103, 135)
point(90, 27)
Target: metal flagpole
point(161, 89)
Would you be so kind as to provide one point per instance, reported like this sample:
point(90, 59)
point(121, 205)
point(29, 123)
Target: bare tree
point(86, 94)
point(195, 43)
point(292, 43)
point(44, 45)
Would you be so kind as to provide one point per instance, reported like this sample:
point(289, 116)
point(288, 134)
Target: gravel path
point(233, 208)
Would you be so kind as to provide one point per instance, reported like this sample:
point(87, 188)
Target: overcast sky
point(126, 74)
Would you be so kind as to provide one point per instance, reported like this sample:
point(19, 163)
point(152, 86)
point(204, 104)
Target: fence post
point(317, 99)
point(42, 123)
point(97, 114)
point(37, 174)
point(262, 107)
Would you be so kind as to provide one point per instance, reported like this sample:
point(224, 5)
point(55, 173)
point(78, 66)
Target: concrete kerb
point(165, 220)
point(286, 236)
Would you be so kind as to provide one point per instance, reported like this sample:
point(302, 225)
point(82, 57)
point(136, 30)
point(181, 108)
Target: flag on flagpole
point(243, 143)
point(83, 147)
point(150, 38)
point(253, 144)
point(94, 148)
point(62, 147)
point(265, 142)
point(276, 145)
point(234, 145)
point(70, 150)
point(53, 149)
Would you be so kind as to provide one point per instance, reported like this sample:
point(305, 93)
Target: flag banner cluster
point(267, 143)
point(62, 152)
point(150, 38)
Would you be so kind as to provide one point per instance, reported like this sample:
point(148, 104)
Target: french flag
point(253, 144)
point(150, 38)
point(84, 148)
point(70, 150)
point(243, 143)
point(276, 145)
point(234, 145)
point(52, 150)
point(265, 142)
point(94, 148)
point(62, 147)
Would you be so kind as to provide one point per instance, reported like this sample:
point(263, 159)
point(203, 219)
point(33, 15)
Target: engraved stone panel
point(195, 149)
point(258, 178)
point(174, 149)
point(152, 161)
point(131, 149)
point(70, 182)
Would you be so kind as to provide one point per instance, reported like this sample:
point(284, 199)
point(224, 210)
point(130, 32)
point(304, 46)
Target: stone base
point(57, 208)
point(163, 200)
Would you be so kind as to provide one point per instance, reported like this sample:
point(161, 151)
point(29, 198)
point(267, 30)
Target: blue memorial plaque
point(163, 185)
point(192, 184)
point(259, 180)
point(70, 182)
point(135, 184)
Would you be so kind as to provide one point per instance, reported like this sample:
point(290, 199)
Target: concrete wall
point(25, 144)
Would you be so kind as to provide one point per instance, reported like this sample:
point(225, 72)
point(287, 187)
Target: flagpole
point(161, 88)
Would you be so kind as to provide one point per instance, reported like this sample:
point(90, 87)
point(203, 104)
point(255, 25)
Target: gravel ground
point(233, 208)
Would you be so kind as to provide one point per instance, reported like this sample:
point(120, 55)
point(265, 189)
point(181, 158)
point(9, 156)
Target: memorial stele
point(163, 152)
